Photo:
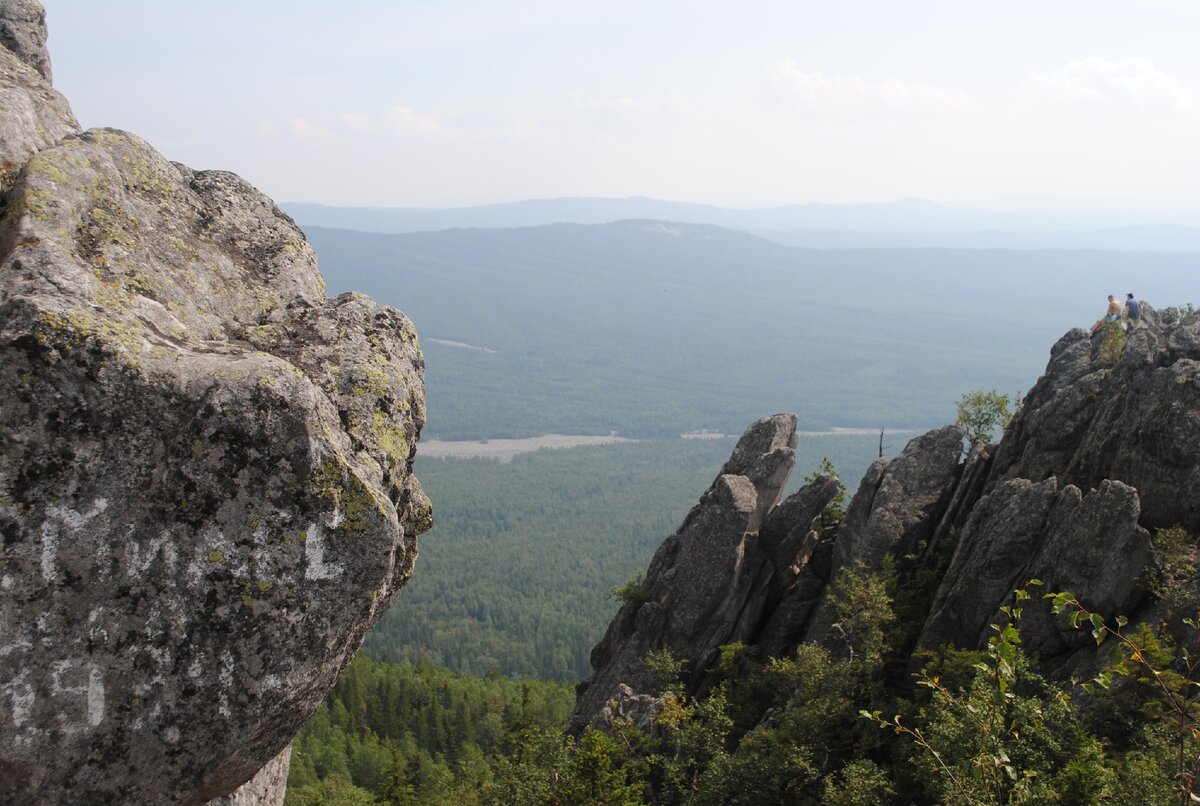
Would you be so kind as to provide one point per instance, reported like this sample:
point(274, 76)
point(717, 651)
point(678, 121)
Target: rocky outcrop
point(711, 582)
point(1102, 451)
point(23, 33)
point(1137, 420)
point(894, 511)
point(1089, 544)
point(206, 492)
point(639, 710)
point(33, 116)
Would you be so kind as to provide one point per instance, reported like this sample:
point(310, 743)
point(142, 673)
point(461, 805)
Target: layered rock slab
point(206, 494)
point(1088, 543)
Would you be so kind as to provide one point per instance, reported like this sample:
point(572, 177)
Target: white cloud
point(607, 104)
point(410, 123)
point(850, 92)
point(303, 130)
point(360, 124)
point(1135, 81)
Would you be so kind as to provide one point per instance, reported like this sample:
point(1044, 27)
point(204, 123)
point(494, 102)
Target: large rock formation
point(1101, 453)
point(206, 494)
point(710, 583)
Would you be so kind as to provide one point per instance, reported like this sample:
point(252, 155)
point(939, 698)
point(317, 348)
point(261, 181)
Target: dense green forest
point(838, 725)
point(652, 329)
point(516, 573)
point(414, 734)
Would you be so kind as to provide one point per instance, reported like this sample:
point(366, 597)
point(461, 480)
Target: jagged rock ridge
point(1097, 457)
point(206, 491)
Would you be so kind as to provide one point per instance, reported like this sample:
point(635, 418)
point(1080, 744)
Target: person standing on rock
point(1133, 312)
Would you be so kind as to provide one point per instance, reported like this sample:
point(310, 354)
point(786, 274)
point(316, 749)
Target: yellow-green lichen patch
point(48, 169)
point(391, 438)
point(216, 556)
point(73, 327)
point(423, 515)
point(36, 202)
point(372, 381)
point(266, 337)
point(264, 586)
point(353, 500)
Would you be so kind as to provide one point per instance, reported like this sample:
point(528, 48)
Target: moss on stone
point(352, 499)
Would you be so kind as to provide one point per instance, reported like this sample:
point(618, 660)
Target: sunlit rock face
point(206, 489)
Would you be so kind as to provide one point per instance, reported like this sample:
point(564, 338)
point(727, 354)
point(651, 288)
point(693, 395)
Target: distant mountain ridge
point(912, 223)
point(652, 329)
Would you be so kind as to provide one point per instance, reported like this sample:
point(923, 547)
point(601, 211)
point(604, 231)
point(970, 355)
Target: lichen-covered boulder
point(206, 496)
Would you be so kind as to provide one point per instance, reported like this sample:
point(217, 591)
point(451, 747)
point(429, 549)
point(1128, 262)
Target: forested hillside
point(516, 573)
point(976, 729)
point(414, 734)
point(651, 329)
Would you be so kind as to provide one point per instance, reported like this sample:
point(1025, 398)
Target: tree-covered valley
point(517, 572)
point(529, 559)
point(652, 328)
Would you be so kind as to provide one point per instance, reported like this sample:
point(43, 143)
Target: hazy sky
point(1053, 104)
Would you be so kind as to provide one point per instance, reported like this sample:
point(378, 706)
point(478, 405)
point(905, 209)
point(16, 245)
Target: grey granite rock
point(23, 31)
point(639, 710)
point(1136, 421)
point(1088, 544)
point(719, 578)
point(896, 508)
point(33, 116)
point(698, 580)
point(267, 788)
point(206, 493)
point(1100, 453)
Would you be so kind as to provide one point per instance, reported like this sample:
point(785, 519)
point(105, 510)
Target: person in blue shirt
point(1133, 312)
